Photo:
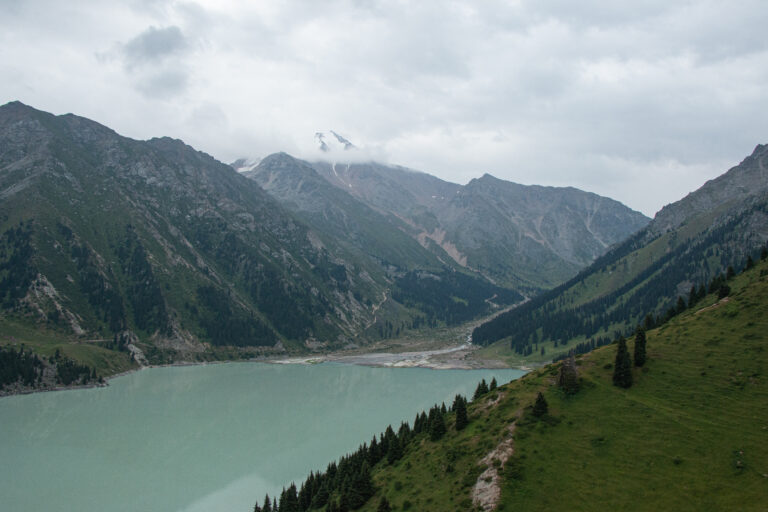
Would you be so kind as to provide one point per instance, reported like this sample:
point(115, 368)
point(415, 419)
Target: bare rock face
point(731, 191)
point(522, 236)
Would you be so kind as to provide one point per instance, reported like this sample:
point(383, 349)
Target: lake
point(201, 438)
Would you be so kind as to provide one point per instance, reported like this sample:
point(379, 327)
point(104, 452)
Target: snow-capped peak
point(244, 164)
point(333, 143)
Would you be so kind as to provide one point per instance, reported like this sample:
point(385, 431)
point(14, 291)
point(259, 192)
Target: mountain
point(428, 283)
point(158, 246)
point(529, 237)
point(115, 250)
point(333, 142)
point(340, 215)
point(689, 434)
point(688, 244)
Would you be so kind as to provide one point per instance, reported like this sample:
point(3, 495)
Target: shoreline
point(451, 358)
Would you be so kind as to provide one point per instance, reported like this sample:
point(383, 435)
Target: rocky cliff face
point(339, 215)
point(524, 236)
point(743, 184)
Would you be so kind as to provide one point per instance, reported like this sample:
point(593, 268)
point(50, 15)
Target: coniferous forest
point(450, 297)
point(653, 291)
point(26, 370)
point(346, 484)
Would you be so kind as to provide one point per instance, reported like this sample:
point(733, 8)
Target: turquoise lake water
point(201, 438)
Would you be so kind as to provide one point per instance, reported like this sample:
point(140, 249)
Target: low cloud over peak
point(642, 104)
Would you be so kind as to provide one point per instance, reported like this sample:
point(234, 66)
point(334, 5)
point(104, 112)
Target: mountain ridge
point(191, 214)
point(463, 222)
point(159, 252)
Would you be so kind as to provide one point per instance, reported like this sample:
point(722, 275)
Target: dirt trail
point(487, 490)
point(713, 306)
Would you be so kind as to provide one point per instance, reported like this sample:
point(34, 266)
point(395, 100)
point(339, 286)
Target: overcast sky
point(642, 102)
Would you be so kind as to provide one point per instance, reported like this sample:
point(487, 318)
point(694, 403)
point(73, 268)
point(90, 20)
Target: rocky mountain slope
point(525, 236)
point(159, 252)
point(428, 283)
point(340, 215)
point(160, 247)
point(687, 244)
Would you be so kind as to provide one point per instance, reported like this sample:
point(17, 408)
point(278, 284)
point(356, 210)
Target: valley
point(118, 254)
point(383, 256)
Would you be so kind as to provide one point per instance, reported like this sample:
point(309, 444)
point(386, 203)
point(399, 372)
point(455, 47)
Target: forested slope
point(688, 244)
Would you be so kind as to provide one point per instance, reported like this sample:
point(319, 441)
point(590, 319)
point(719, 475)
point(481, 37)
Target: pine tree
point(320, 499)
point(267, 504)
point(622, 368)
point(693, 296)
point(374, 455)
point(649, 322)
point(639, 355)
point(764, 253)
point(460, 408)
point(750, 263)
point(384, 505)
point(482, 388)
point(289, 500)
point(494, 384)
point(730, 273)
point(540, 407)
point(256, 507)
point(680, 305)
point(436, 425)
point(404, 433)
point(702, 292)
point(568, 377)
point(395, 451)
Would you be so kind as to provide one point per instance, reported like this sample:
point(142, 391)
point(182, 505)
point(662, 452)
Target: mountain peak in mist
point(332, 143)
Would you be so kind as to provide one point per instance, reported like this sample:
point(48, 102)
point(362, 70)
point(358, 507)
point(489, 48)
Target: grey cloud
point(162, 84)
point(588, 94)
point(155, 44)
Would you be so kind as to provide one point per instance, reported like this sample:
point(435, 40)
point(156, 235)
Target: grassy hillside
point(690, 434)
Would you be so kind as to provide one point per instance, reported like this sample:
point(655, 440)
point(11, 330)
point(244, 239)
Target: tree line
point(347, 484)
point(547, 317)
point(449, 296)
point(26, 368)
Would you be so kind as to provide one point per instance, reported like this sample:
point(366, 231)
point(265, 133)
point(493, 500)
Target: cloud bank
point(641, 103)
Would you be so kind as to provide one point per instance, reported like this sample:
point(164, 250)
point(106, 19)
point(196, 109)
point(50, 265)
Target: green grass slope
point(690, 434)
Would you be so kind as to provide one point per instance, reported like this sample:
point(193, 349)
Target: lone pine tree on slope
point(460, 408)
point(640, 347)
point(622, 368)
point(568, 378)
